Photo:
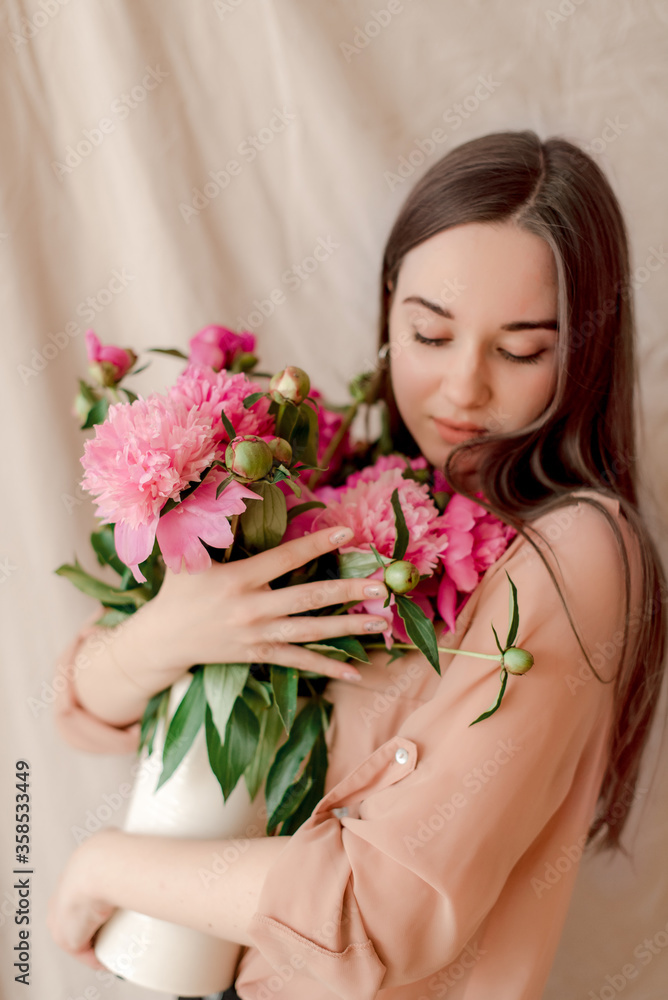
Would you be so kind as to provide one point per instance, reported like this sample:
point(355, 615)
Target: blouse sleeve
point(377, 897)
point(76, 725)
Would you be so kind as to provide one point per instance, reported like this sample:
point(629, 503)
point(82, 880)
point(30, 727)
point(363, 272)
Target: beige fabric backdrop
point(117, 118)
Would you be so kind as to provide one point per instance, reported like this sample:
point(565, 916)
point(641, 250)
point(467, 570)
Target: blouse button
point(401, 756)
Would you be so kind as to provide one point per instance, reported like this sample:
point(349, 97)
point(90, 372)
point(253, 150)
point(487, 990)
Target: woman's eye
point(432, 342)
point(520, 359)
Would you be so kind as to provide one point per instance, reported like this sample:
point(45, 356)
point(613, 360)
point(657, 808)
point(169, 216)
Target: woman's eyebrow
point(538, 324)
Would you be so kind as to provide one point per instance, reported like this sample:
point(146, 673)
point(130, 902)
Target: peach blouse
point(442, 857)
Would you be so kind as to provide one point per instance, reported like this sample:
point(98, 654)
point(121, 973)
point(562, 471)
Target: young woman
point(427, 868)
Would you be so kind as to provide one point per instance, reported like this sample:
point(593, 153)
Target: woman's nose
point(464, 381)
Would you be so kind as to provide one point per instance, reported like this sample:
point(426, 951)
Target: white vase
point(151, 952)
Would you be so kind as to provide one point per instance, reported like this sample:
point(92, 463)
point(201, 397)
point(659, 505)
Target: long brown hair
point(586, 437)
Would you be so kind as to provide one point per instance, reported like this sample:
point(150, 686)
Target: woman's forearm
point(186, 882)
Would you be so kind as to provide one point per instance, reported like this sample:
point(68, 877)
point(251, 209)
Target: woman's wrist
point(113, 677)
point(153, 659)
point(85, 906)
point(97, 862)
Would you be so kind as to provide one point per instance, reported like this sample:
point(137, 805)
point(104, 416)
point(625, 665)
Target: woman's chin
point(437, 455)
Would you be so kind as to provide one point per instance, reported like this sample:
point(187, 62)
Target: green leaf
point(420, 629)
point(105, 549)
point(293, 798)
point(223, 683)
point(359, 564)
point(97, 414)
point(492, 710)
point(228, 425)
point(497, 638)
point(286, 419)
point(295, 487)
point(132, 396)
point(183, 727)
point(257, 695)
point(329, 651)
point(271, 729)
point(284, 682)
point(263, 525)
point(396, 654)
point(304, 439)
point(302, 467)
point(222, 484)
point(382, 562)
point(252, 399)
point(301, 508)
point(350, 645)
point(168, 350)
point(315, 771)
point(114, 617)
point(513, 615)
point(163, 708)
point(261, 688)
point(402, 539)
point(87, 392)
point(290, 756)
point(150, 719)
point(230, 759)
point(105, 594)
point(135, 371)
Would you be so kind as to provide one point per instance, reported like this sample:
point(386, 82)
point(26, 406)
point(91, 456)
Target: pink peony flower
point(210, 392)
point(366, 507)
point(373, 472)
point(201, 518)
point(107, 363)
point(476, 539)
point(142, 455)
point(217, 347)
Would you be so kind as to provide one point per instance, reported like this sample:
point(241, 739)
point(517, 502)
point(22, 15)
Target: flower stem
point(234, 520)
point(114, 394)
point(279, 419)
point(330, 451)
point(441, 649)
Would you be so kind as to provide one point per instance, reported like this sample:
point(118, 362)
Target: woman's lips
point(453, 434)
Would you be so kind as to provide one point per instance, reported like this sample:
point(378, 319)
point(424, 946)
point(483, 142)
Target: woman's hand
point(229, 613)
point(74, 912)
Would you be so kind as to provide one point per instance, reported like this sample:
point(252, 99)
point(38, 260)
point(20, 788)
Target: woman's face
point(472, 331)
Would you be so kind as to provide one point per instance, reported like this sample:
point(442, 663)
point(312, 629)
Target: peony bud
point(517, 661)
point(219, 348)
point(362, 387)
point(81, 407)
point(401, 576)
point(281, 450)
point(292, 385)
point(249, 457)
point(108, 364)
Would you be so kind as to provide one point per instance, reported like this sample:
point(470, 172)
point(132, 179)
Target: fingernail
point(351, 675)
point(375, 626)
point(341, 536)
point(375, 590)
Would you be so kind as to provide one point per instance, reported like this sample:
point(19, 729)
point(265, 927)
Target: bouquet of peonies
point(229, 462)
